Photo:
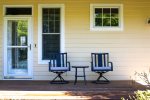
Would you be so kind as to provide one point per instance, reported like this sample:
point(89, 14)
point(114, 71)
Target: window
point(18, 11)
point(51, 31)
point(15, 10)
point(106, 17)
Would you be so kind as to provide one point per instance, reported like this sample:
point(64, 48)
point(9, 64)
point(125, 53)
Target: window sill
point(43, 61)
point(105, 29)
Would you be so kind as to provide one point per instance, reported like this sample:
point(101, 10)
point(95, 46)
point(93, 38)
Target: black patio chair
point(101, 65)
point(58, 64)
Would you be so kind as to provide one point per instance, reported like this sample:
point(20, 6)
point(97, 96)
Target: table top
point(80, 66)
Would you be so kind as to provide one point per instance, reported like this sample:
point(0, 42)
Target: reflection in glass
point(106, 12)
point(17, 58)
point(51, 20)
point(57, 17)
point(114, 22)
point(51, 27)
point(98, 22)
point(18, 11)
point(51, 44)
point(106, 17)
point(98, 12)
point(17, 33)
point(45, 27)
point(114, 12)
point(57, 26)
point(106, 22)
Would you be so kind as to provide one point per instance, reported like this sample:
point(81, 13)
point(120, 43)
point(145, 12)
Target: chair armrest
point(49, 65)
point(68, 64)
point(92, 66)
point(111, 64)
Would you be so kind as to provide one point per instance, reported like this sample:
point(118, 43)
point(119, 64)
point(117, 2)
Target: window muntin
point(50, 32)
point(106, 17)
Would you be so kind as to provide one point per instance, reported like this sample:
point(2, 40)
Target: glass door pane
point(17, 60)
point(17, 46)
point(17, 33)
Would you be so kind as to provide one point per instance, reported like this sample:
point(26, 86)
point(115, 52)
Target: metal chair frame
point(101, 65)
point(58, 64)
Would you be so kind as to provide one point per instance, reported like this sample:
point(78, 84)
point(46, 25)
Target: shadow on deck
point(113, 90)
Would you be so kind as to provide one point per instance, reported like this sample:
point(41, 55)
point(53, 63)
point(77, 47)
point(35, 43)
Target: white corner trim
point(93, 28)
point(62, 32)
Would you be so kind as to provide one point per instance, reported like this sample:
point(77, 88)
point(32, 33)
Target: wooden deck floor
point(113, 90)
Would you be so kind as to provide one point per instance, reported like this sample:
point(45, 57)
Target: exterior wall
point(129, 49)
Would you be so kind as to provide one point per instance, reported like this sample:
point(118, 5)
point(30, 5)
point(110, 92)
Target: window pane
point(18, 11)
point(57, 10)
point(51, 10)
point(114, 22)
point(98, 12)
point(17, 32)
point(45, 17)
point(51, 27)
point(45, 27)
point(98, 15)
point(106, 12)
point(51, 44)
point(98, 22)
point(106, 22)
point(17, 58)
point(57, 26)
point(57, 17)
point(45, 14)
point(52, 16)
point(45, 11)
point(114, 12)
point(57, 14)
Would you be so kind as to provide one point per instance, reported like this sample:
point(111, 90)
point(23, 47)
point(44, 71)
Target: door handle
point(30, 46)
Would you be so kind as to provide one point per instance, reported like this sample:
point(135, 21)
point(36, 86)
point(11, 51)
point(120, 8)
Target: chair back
point(58, 61)
point(100, 61)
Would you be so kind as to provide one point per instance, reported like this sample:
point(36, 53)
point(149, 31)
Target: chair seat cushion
point(59, 68)
point(103, 68)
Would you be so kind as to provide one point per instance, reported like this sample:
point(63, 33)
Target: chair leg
point(55, 77)
point(99, 79)
point(106, 79)
point(60, 81)
point(61, 78)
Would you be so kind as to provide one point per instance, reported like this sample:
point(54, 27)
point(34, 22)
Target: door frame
point(30, 52)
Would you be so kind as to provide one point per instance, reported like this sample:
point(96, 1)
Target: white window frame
point(62, 29)
point(92, 19)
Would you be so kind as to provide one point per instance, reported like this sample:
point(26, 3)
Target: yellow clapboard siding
point(129, 49)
